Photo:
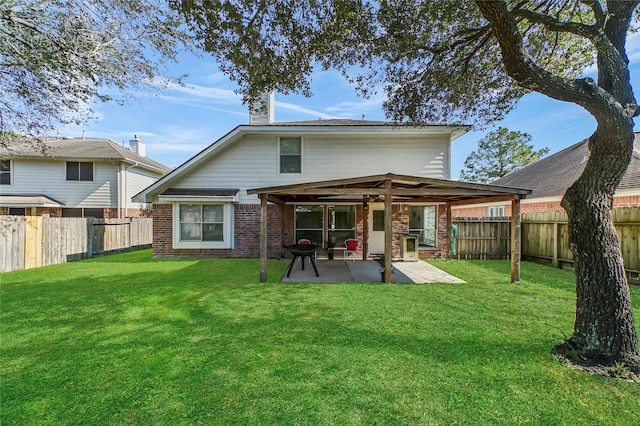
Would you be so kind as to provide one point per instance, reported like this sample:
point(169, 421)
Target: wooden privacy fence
point(545, 238)
point(33, 241)
point(483, 238)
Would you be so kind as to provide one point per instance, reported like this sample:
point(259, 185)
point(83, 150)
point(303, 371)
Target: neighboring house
point(549, 179)
point(209, 205)
point(74, 177)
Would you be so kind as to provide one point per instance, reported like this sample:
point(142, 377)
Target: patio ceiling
point(400, 187)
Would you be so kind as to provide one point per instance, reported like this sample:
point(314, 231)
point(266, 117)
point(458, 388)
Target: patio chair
point(352, 245)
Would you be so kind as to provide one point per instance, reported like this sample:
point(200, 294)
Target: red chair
point(352, 245)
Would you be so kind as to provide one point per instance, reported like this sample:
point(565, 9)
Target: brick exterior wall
point(627, 201)
point(539, 207)
point(247, 232)
point(112, 213)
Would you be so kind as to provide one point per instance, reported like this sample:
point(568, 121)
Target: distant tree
point(462, 61)
point(57, 56)
point(500, 153)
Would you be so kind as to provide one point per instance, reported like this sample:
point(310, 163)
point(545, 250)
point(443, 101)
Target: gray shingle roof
point(80, 149)
point(348, 122)
point(23, 200)
point(205, 192)
point(551, 176)
point(336, 122)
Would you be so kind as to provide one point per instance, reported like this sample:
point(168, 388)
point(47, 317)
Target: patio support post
point(283, 227)
point(449, 223)
point(264, 227)
point(388, 235)
point(515, 240)
point(365, 228)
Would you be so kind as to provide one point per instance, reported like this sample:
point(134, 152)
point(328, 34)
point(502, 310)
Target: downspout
point(119, 185)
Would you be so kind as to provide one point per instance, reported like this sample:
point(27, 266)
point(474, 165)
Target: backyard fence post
point(515, 240)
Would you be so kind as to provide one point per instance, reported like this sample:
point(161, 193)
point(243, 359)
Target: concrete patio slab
point(422, 272)
point(338, 271)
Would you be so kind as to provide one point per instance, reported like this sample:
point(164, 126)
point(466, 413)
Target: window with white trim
point(495, 211)
point(5, 172)
point(341, 223)
point(423, 221)
point(290, 155)
point(207, 225)
point(80, 171)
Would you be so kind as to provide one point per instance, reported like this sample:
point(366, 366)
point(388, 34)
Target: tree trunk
point(604, 326)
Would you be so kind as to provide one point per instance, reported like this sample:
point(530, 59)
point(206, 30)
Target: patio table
point(301, 251)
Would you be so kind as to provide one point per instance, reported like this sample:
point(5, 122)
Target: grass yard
point(126, 339)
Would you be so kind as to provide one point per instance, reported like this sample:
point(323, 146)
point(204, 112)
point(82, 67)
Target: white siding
point(48, 177)
point(137, 179)
point(252, 161)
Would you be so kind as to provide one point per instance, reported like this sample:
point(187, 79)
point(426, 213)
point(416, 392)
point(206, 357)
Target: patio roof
point(391, 187)
point(400, 187)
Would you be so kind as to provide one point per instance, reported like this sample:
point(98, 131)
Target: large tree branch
point(598, 13)
point(527, 73)
point(553, 24)
point(608, 36)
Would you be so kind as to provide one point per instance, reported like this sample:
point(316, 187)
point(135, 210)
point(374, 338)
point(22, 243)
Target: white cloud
point(298, 108)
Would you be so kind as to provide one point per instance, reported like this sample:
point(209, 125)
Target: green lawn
point(126, 339)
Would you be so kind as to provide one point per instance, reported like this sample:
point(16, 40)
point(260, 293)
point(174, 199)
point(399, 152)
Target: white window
point(423, 221)
point(290, 155)
point(495, 211)
point(202, 225)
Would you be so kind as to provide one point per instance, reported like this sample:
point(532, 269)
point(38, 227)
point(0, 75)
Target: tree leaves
point(438, 62)
point(500, 153)
point(57, 56)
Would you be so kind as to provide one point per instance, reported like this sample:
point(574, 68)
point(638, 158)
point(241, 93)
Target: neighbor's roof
point(29, 200)
point(80, 149)
point(551, 176)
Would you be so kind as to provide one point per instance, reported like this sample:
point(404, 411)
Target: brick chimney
point(263, 110)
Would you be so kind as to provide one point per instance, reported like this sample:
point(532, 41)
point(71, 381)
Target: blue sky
point(182, 121)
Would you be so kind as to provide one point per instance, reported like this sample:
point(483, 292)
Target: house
point(549, 179)
point(74, 177)
point(268, 184)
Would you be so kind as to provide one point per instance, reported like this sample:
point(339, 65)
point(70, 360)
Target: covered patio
point(390, 188)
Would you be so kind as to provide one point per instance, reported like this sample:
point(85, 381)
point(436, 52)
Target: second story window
point(290, 155)
point(80, 170)
point(5, 172)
